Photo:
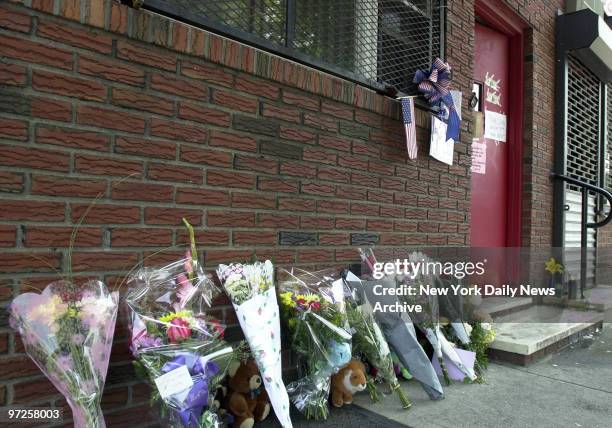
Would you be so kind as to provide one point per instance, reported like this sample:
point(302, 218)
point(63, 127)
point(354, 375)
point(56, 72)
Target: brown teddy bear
point(247, 399)
point(350, 380)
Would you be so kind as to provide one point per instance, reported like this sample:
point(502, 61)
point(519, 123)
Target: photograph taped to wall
point(441, 148)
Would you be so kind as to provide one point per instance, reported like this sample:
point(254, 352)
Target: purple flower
point(78, 339)
point(144, 341)
point(65, 363)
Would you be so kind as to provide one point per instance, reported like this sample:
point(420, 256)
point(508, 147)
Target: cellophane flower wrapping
point(253, 295)
point(399, 329)
point(314, 311)
point(429, 320)
point(68, 332)
point(369, 342)
point(172, 333)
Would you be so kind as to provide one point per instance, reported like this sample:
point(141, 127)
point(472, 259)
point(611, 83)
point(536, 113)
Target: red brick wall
point(159, 120)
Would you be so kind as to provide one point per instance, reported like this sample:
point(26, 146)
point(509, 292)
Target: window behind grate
point(582, 123)
point(376, 42)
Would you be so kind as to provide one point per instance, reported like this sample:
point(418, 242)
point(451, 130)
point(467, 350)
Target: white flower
point(269, 271)
point(230, 280)
point(608, 7)
point(468, 329)
point(485, 326)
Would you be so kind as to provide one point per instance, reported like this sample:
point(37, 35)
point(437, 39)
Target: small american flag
point(409, 126)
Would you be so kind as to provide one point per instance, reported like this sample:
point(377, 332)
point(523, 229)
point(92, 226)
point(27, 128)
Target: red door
point(489, 206)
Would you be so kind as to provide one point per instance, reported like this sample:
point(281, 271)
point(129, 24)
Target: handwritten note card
point(173, 382)
point(479, 157)
point(495, 126)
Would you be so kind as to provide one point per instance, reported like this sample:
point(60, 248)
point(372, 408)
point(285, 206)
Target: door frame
point(500, 17)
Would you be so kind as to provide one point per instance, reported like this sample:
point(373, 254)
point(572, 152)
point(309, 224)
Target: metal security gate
point(582, 162)
point(379, 43)
point(583, 67)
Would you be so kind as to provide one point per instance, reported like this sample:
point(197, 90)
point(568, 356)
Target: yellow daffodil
point(553, 266)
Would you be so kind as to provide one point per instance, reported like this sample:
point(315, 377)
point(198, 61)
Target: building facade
point(147, 119)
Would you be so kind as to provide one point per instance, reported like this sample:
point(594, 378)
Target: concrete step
point(499, 306)
point(528, 335)
point(600, 297)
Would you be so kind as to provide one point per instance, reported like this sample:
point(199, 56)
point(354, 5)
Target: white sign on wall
point(440, 148)
point(495, 126)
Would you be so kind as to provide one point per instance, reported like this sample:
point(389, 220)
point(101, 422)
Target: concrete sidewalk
point(572, 388)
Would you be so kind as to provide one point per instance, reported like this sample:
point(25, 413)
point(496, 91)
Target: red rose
point(315, 306)
point(218, 328)
point(301, 302)
point(179, 330)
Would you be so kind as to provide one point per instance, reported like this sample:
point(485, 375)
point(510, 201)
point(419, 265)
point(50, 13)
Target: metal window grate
point(582, 123)
point(261, 18)
point(376, 42)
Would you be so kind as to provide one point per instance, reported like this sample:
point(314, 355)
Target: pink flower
point(188, 265)
point(179, 331)
point(184, 292)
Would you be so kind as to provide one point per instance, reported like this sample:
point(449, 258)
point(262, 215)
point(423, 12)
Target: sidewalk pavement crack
point(559, 380)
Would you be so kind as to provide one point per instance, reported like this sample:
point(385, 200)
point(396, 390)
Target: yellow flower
point(49, 311)
point(311, 298)
point(170, 317)
point(553, 267)
point(287, 299)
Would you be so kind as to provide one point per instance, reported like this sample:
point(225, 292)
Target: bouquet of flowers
point(251, 290)
point(429, 322)
point(399, 330)
point(481, 336)
point(68, 332)
point(369, 341)
point(177, 345)
point(314, 310)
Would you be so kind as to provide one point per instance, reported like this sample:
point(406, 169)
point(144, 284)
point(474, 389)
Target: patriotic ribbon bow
point(435, 86)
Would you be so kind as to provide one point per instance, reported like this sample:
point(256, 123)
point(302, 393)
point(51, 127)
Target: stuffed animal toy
point(339, 354)
point(350, 380)
point(247, 399)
